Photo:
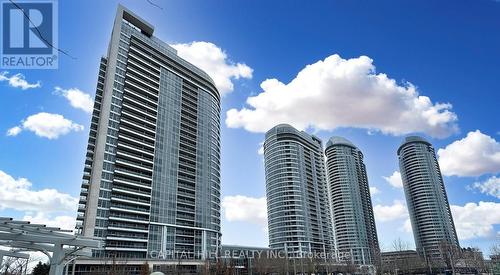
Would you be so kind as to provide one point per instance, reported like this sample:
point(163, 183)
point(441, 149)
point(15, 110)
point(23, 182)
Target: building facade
point(402, 262)
point(297, 201)
point(426, 198)
point(151, 182)
point(354, 228)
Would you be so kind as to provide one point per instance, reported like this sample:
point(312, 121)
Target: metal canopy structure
point(60, 246)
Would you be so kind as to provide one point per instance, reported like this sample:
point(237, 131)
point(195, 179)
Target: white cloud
point(407, 226)
point(374, 190)
point(14, 131)
point(46, 125)
point(77, 98)
point(19, 194)
point(337, 92)
point(474, 155)
point(245, 209)
point(385, 213)
point(214, 61)
point(63, 222)
point(260, 151)
point(476, 220)
point(473, 220)
point(491, 186)
point(395, 180)
point(18, 81)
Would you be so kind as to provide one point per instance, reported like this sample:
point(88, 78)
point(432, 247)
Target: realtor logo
point(29, 35)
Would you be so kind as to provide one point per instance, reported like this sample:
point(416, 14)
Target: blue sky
point(446, 51)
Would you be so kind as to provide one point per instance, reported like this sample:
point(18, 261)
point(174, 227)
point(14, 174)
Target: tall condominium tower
point(297, 202)
point(151, 178)
point(428, 205)
point(351, 206)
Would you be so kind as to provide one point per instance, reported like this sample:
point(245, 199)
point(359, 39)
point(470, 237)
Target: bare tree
point(495, 258)
point(495, 250)
point(263, 265)
point(472, 258)
point(145, 269)
point(400, 245)
point(450, 254)
point(14, 266)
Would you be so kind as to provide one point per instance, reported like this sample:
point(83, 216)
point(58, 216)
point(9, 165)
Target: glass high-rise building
point(354, 228)
point(426, 198)
point(297, 202)
point(151, 182)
